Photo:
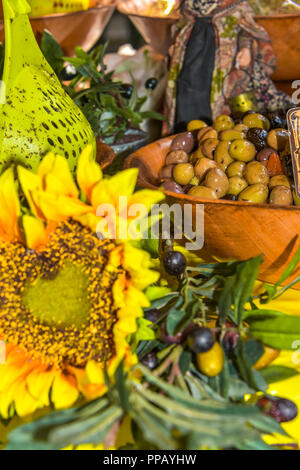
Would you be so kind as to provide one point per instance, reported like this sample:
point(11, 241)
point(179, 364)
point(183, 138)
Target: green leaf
point(253, 350)
point(185, 361)
point(272, 291)
point(274, 374)
point(245, 278)
point(120, 379)
point(52, 52)
point(279, 331)
point(144, 331)
point(226, 299)
point(156, 292)
point(252, 377)
point(182, 313)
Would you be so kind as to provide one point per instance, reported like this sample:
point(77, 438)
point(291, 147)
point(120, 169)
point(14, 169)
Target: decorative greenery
point(101, 98)
point(175, 406)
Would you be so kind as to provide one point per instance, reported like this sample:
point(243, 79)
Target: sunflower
point(70, 296)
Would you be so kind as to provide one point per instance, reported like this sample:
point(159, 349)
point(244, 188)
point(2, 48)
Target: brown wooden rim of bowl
point(278, 16)
point(73, 13)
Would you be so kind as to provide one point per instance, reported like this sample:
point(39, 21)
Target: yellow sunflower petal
point(147, 198)
point(39, 384)
point(9, 204)
point(100, 194)
point(46, 165)
point(123, 183)
point(58, 208)
point(94, 373)
point(35, 232)
point(138, 264)
point(30, 182)
point(25, 403)
point(64, 391)
point(88, 172)
point(62, 172)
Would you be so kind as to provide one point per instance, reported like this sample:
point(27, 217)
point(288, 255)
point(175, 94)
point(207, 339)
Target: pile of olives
point(245, 160)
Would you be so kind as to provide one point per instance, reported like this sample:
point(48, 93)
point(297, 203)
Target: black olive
point(68, 73)
point(281, 409)
point(201, 340)
point(126, 91)
point(151, 83)
point(258, 137)
point(150, 361)
point(174, 263)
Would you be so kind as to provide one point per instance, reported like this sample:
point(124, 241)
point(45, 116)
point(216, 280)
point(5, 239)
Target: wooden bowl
point(232, 230)
point(284, 32)
point(81, 28)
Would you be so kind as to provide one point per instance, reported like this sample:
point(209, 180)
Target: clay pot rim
point(122, 10)
point(63, 15)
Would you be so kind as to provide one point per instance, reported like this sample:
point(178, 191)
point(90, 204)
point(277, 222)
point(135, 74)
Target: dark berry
point(258, 137)
point(68, 73)
point(152, 315)
point(150, 361)
point(126, 91)
point(201, 340)
point(281, 409)
point(174, 263)
point(276, 120)
point(151, 83)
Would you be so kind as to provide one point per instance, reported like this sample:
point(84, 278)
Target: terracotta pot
point(284, 31)
point(232, 230)
point(105, 154)
point(82, 28)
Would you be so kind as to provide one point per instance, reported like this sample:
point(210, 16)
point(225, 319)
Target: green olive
point(202, 192)
point(222, 156)
point(236, 185)
point(281, 195)
point(207, 133)
point(236, 168)
point(202, 167)
point(279, 180)
point(183, 173)
point(256, 172)
point(208, 147)
point(223, 122)
point(278, 138)
point(241, 128)
point(231, 135)
point(242, 150)
point(217, 180)
point(256, 120)
point(257, 193)
point(197, 155)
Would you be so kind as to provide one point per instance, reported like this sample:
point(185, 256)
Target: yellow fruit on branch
point(211, 363)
